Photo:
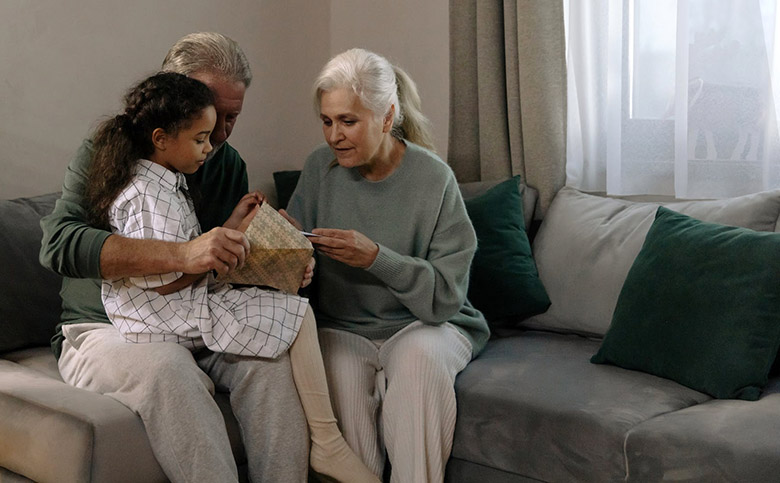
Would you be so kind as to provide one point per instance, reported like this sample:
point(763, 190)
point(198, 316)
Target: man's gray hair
point(209, 52)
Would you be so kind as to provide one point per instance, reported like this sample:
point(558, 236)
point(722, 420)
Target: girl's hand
point(292, 220)
point(243, 208)
point(308, 274)
point(346, 246)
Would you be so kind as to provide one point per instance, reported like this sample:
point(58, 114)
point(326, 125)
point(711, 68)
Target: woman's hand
point(308, 274)
point(346, 246)
point(245, 205)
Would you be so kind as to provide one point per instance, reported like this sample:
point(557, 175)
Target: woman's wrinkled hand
point(346, 246)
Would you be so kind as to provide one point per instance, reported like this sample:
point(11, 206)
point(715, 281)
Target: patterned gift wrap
point(278, 254)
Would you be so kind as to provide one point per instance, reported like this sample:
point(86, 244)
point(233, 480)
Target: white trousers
point(173, 393)
point(397, 395)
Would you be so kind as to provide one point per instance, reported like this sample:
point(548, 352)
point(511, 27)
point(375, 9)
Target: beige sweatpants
point(173, 391)
point(397, 395)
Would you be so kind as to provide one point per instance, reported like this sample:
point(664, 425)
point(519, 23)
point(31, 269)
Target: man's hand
point(243, 208)
point(221, 249)
point(346, 246)
point(308, 274)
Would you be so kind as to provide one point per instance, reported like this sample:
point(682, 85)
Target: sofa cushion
point(40, 359)
point(54, 432)
point(285, 183)
point(529, 195)
point(587, 244)
point(504, 283)
point(534, 405)
point(462, 471)
point(719, 440)
point(7, 476)
point(700, 306)
point(29, 294)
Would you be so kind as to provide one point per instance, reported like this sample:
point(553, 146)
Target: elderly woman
point(394, 246)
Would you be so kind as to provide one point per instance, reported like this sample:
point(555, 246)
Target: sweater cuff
point(387, 265)
point(92, 242)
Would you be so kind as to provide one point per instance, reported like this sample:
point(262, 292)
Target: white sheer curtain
point(673, 97)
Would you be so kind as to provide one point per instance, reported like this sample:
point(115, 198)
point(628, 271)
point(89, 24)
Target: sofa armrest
point(50, 431)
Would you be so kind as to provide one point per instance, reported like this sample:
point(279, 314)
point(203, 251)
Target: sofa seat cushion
point(534, 405)
point(40, 359)
point(55, 432)
point(460, 471)
point(51, 431)
point(719, 440)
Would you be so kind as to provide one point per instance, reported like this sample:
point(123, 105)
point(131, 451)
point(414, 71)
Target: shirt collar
point(167, 178)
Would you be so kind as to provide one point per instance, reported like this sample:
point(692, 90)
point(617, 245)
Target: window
point(672, 97)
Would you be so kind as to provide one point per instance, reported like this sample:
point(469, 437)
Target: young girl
point(136, 188)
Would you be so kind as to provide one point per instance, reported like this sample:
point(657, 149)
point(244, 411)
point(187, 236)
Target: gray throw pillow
point(586, 245)
point(30, 303)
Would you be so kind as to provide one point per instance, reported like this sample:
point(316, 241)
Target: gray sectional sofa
point(531, 407)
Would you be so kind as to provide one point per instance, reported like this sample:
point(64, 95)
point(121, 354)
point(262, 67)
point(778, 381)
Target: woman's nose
point(335, 134)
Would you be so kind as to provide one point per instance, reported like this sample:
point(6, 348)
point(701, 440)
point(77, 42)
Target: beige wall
point(413, 34)
point(65, 64)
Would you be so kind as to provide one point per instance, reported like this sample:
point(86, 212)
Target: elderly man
point(167, 385)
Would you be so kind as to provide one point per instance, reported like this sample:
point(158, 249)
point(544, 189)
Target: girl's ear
point(387, 122)
point(159, 138)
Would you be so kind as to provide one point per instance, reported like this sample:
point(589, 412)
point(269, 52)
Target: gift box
point(278, 253)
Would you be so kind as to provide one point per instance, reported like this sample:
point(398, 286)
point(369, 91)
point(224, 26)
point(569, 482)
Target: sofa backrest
point(586, 245)
point(29, 294)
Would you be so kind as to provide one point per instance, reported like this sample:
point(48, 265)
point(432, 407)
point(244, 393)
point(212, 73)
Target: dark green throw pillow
point(504, 282)
point(285, 183)
point(700, 306)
